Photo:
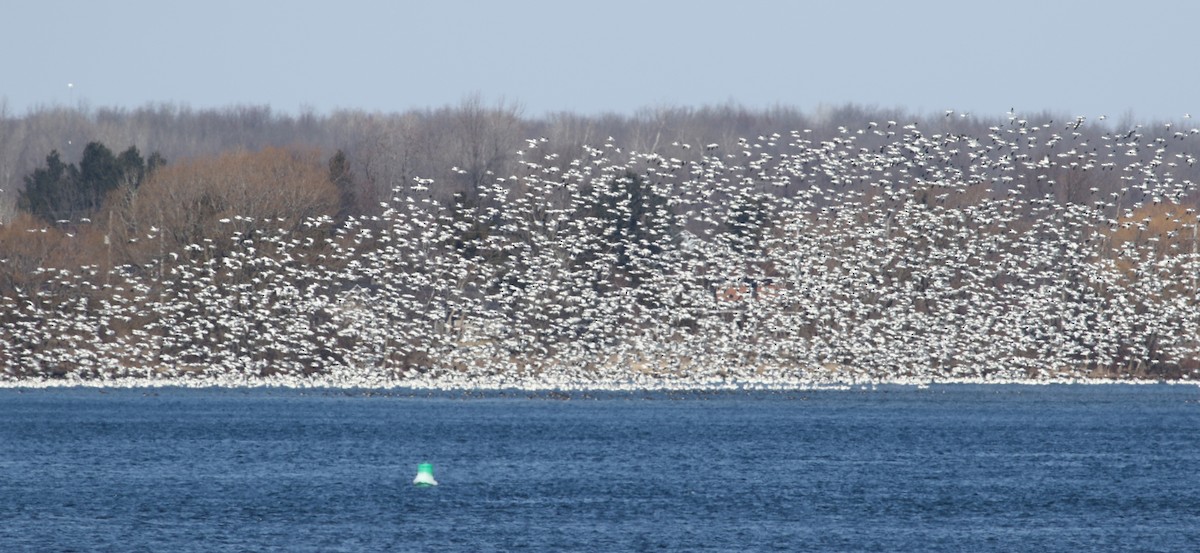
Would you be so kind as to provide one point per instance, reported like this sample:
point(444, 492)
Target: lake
point(945, 468)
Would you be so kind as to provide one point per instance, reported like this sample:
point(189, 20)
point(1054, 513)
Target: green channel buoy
point(424, 477)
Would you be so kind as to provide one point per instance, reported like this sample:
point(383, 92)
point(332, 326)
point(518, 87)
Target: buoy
point(424, 477)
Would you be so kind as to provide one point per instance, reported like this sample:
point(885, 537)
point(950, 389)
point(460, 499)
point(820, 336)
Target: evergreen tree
point(748, 219)
point(342, 178)
point(637, 224)
point(156, 160)
point(60, 193)
point(133, 167)
point(99, 174)
point(50, 191)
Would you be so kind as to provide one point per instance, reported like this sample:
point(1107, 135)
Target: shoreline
point(532, 385)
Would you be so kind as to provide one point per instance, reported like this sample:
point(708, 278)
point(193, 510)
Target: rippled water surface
point(948, 468)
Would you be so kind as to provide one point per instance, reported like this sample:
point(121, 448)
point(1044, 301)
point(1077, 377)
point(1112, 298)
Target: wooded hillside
point(676, 243)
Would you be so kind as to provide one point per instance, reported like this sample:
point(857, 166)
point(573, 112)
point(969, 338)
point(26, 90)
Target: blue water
point(949, 468)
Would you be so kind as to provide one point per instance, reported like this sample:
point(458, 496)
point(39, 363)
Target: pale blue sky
point(1078, 57)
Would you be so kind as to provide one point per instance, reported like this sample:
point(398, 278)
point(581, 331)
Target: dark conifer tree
point(50, 192)
point(342, 177)
point(99, 174)
point(132, 166)
point(61, 193)
point(636, 225)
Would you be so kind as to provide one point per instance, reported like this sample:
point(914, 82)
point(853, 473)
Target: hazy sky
point(1078, 57)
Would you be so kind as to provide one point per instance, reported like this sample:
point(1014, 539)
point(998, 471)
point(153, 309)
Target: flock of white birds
point(884, 253)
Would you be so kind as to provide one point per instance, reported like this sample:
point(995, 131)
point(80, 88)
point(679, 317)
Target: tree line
point(459, 145)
